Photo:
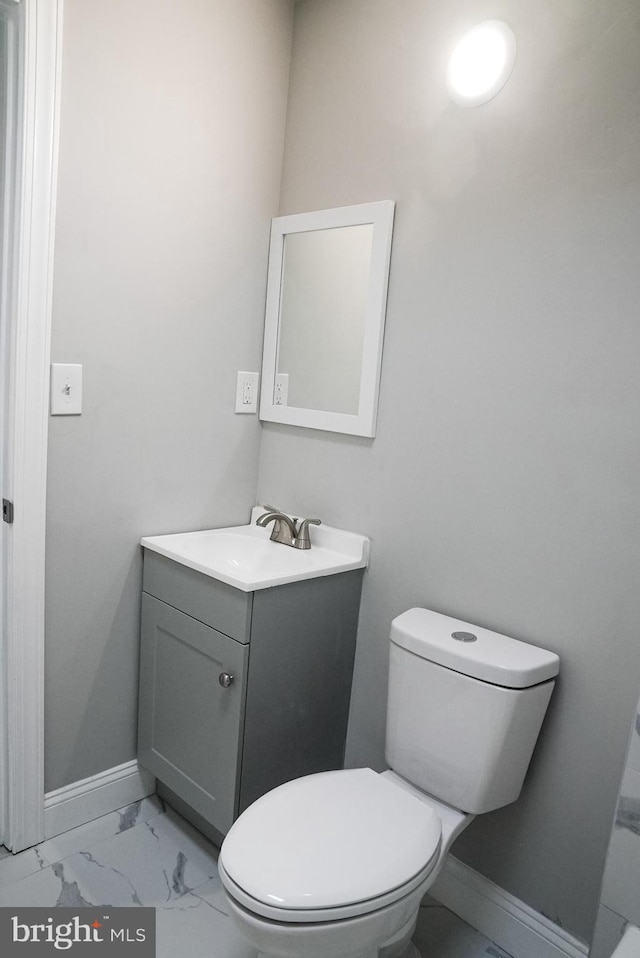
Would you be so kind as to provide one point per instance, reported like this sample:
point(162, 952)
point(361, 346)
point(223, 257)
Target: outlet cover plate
point(247, 392)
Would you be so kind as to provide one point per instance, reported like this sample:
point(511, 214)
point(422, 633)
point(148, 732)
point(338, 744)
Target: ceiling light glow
point(481, 63)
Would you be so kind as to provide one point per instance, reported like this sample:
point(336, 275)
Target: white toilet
point(334, 865)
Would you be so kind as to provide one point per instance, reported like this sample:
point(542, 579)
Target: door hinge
point(7, 511)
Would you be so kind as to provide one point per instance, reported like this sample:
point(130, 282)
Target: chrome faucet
point(286, 530)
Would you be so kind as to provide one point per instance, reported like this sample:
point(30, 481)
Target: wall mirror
point(325, 313)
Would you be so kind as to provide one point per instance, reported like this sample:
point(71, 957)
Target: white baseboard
point(504, 919)
point(81, 802)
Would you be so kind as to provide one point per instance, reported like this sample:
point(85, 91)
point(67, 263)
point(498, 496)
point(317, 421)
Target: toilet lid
point(330, 840)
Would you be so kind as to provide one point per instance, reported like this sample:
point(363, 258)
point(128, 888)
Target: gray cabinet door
point(190, 726)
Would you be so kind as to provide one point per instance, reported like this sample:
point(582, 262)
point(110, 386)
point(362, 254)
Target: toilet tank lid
point(476, 652)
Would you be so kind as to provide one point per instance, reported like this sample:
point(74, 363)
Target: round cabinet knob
point(225, 679)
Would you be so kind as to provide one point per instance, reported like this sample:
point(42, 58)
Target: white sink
point(245, 557)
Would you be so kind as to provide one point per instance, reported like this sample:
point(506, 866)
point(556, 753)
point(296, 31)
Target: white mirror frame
point(380, 216)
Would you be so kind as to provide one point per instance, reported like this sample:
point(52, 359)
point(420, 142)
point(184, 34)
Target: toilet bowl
point(334, 865)
point(350, 885)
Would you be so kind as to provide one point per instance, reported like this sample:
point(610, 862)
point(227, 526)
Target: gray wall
point(170, 155)
point(502, 484)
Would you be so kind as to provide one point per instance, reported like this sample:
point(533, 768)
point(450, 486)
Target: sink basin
point(245, 557)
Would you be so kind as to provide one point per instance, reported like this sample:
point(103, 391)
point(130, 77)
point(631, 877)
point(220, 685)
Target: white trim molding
point(28, 419)
point(81, 802)
point(501, 917)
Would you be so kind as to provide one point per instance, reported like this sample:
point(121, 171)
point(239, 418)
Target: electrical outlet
point(247, 392)
point(281, 390)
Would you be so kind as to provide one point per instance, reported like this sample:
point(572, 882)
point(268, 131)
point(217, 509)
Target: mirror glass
point(322, 316)
point(326, 300)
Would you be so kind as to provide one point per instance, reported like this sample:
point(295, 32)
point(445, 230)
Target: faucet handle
point(302, 539)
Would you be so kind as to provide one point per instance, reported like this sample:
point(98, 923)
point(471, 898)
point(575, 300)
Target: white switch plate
point(247, 392)
point(66, 389)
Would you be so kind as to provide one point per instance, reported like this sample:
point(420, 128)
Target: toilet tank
point(465, 708)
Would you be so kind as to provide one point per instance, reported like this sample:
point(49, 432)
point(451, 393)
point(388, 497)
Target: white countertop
point(245, 558)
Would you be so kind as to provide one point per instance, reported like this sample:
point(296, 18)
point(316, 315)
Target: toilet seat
point(329, 846)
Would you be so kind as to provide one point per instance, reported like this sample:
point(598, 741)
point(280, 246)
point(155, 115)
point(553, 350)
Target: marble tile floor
point(146, 854)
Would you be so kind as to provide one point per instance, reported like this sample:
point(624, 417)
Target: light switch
point(66, 389)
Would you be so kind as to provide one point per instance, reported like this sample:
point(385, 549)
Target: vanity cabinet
point(242, 691)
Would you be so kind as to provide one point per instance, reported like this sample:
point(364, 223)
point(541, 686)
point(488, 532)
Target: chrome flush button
point(464, 636)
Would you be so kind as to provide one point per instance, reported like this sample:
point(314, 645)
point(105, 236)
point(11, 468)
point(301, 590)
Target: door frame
point(30, 270)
